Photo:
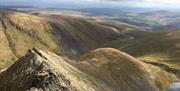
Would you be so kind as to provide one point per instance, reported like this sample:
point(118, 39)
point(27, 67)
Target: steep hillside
point(81, 35)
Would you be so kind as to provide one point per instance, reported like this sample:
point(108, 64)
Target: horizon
point(159, 4)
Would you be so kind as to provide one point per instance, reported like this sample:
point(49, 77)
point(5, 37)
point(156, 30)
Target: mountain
point(103, 69)
point(154, 65)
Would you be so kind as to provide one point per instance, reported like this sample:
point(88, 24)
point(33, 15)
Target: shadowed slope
point(80, 35)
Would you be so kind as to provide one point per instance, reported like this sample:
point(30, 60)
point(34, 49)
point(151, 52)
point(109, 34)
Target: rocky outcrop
point(43, 71)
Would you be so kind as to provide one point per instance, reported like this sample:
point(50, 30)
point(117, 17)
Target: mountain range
point(54, 52)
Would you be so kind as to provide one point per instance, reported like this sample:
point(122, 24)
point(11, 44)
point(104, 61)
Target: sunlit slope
point(19, 32)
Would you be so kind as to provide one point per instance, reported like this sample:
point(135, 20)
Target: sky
point(95, 3)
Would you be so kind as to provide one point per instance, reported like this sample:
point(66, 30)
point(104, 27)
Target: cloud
point(155, 1)
point(152, 1)
point(161, 2)
point(144, 3)
point(120, 0)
